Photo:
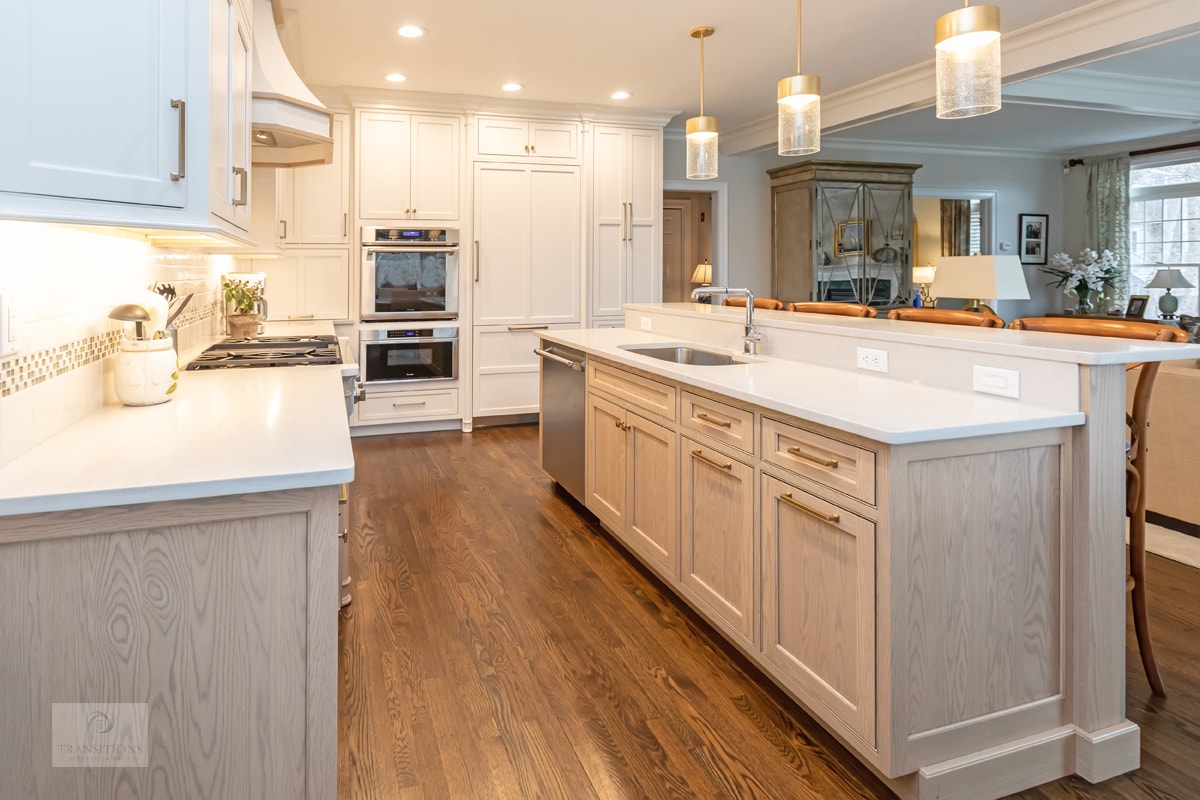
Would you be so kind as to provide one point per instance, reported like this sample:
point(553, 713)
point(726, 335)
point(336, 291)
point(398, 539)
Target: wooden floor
point(500, 645)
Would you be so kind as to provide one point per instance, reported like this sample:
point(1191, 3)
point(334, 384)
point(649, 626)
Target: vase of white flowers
point(1093, 276)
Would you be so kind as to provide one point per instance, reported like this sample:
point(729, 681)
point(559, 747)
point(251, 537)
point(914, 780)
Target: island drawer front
point(643, 393)
point(838, 465)
point(720, 421)
point(409, 406)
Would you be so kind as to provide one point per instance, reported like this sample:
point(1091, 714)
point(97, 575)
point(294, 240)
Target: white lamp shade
point(980, 277)
point(1169, 278)
point(923, 276)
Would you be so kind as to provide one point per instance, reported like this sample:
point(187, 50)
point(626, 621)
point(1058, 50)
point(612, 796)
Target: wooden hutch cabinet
point(842, 230)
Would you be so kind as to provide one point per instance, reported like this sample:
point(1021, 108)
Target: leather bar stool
point(837, 309)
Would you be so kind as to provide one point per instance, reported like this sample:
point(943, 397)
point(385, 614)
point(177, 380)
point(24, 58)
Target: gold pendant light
point(799, 108)
point(702, 130)
point(968, 62)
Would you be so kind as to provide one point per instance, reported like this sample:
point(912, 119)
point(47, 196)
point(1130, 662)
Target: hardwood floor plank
point(500, 644)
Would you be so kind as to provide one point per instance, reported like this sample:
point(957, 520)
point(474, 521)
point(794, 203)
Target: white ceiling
point(580, 52)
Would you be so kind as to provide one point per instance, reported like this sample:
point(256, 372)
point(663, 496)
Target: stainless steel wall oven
point(409, 273)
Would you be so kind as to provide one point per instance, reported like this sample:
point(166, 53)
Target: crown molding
point(1081, 36)
point(352, 97)
point(1106, 91)
point(864, 145)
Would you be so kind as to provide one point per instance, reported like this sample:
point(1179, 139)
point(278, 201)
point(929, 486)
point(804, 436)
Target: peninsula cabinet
point(529, 139)
point(626, 221)
point(158, 138)
point(407, 166)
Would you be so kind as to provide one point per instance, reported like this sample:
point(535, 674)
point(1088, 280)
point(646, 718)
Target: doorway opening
point(687, 241)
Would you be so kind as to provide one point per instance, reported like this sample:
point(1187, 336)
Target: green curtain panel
point(1106, 221)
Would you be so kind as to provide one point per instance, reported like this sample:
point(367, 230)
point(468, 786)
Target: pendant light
point(968, 62)
point(799, 108)
point(702, 130)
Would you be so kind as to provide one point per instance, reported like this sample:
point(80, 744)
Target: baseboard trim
point(1000, 771)
point(1105, 754)
point(1178, 525)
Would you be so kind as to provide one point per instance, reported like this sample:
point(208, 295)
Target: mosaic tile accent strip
point(201, 307)
point(26, 370)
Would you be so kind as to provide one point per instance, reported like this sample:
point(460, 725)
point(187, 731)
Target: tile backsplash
point(62, 282)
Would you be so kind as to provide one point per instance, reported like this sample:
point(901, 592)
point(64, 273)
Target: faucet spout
point(753, 337)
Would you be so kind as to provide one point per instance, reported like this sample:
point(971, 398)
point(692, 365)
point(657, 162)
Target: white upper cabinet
point(136, 116)
point(407, 166)
point(626, 258)
point(314, 202)
point(308, 284)
point(537, 139)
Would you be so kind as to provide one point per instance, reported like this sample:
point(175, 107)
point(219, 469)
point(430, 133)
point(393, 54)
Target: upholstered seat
point(1135, 450)
point(837, 309)
point(766, 303)
point(947, 316)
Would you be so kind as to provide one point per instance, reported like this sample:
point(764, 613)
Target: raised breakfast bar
point(935, 573)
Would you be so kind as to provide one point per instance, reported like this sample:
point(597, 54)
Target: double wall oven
point(409, 305)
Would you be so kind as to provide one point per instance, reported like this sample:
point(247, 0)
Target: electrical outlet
point(9, 341)
point(874, 360)
point(1004, 382)
point(646, 323)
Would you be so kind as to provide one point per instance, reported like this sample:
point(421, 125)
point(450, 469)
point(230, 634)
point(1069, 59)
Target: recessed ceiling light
point(411, 32)
point(620, 95)
point(396, 77)
point(512, 87)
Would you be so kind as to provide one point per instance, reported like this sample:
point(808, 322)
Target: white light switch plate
point(992, 380)
point(9, 341)
point(646, 323)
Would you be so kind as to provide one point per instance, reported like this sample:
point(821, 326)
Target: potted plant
point(243, 303)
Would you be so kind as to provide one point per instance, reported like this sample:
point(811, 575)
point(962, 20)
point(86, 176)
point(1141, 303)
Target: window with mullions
point(1164, 228)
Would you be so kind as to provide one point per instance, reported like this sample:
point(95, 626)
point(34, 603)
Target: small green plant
point(242, 295)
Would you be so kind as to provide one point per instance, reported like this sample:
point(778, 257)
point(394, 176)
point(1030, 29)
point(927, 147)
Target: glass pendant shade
point(799, 115)
point(701, 148)
point(968, 62)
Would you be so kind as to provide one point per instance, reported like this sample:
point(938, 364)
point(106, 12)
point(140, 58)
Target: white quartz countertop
point(229, 431)
point(1064, 347)
point(889, 411)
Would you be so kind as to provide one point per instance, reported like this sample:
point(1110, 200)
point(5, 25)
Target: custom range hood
point(290, 126)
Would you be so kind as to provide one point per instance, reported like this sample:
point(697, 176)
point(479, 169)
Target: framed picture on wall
point(1033, 229)
point(850, 238)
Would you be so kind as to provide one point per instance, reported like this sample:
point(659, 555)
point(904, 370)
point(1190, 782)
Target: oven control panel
point(372, 235)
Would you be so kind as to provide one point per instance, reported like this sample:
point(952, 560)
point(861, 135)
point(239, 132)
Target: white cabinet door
point(506, 369)
point(534, 139)
point(311, 284)
point(502, 255)
point(383, 165)
point(643, 266)
point(81, 123)
point(435, 167)
point(322, 194)
point(554, 244)
point(553, 139)
point(229, 119)
point(609, 208)
point(503, 137)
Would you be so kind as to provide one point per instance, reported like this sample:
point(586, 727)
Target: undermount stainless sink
point(680, 354)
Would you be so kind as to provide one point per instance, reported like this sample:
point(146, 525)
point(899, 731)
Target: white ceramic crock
point(147, 372)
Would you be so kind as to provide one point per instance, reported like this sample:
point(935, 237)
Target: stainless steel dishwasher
point(564, 400)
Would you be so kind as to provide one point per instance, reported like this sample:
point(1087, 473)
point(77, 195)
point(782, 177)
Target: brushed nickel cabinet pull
point(787, 498)
point(345, 223)
point(300, 316)
point(824, 462)
point(241, 174)
point(283, 235)
point(182, 106)
point(528, 327)
point(477, 261)
point(410, 403)
point(700, 455)
point(720, 423)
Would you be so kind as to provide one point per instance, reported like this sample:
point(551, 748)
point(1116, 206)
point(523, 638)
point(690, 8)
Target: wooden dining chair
point(947, 316)
point(766, 303)
point(836, 309)
point(1135, 465)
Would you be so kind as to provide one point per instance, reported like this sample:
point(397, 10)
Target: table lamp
point(922, 277)
point(1168, 278)
point(703, 276)
point(976, 277)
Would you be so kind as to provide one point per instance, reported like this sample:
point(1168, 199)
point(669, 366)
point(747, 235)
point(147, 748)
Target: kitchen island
point(182, 556)
point(935, 574)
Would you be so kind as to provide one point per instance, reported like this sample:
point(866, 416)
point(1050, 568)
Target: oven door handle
point(566, 362)
point(450, 250)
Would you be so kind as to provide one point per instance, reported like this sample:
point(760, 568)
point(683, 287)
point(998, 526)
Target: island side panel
point(974, 595)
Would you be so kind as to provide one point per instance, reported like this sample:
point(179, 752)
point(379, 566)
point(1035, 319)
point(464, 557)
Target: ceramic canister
point(147, 372)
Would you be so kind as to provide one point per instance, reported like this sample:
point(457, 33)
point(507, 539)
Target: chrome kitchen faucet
point(753, 337)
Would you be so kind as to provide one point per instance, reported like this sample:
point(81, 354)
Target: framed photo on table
point(1033, 229)
point(1137, 305)
point(850, 239)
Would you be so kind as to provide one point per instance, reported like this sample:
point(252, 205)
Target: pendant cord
point(799, 13)
point(702, 76)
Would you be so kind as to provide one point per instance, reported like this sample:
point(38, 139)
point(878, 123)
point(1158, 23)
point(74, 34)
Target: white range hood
point(290, 126)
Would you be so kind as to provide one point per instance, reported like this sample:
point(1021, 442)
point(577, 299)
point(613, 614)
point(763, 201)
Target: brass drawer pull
point(824, 462)
point(529, 327)
point(411, 403)
point(700, 455)
point(787, 498)
point(720, 423)
point(300, 316)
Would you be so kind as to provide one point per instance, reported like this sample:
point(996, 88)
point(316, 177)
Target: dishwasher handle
point(566, 362)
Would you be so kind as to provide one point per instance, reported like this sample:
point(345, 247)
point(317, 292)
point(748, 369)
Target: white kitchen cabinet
point(421, 405)
point(505, 368)
point(407, 166)
point(126, 141)
point(626, 224)
point(307, 284)
point(527, 244)
point(532, 139)
point(314, 202)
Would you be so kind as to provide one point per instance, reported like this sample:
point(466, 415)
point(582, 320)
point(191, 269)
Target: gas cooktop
point(269, 351)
